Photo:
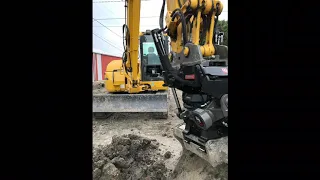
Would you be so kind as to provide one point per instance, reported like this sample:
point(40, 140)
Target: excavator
point(196, 65)
point(134, 83)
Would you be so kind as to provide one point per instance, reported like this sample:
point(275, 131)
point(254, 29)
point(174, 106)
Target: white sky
point(112, 41)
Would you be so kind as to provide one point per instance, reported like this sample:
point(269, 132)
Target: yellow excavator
point(134, 83)
point(196, 66)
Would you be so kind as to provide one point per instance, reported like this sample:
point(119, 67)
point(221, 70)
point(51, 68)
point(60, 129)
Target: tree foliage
point(223, 27)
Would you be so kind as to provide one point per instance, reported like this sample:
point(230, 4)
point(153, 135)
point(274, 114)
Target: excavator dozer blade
point(215, 151)
point(123, 103)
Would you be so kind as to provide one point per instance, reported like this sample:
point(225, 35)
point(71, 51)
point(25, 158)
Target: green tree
point(223, 27)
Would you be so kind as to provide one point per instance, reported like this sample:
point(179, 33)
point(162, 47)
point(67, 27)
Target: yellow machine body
point(115, 80)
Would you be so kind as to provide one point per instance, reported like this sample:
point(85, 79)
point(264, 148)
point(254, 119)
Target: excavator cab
point(150, 64)
point(150, 61)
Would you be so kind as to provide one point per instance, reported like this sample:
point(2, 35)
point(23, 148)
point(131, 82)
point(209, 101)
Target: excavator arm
point(186, 20)
point(191, 26)
point(131, 53)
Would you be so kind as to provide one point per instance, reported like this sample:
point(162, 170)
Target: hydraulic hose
point(165, 60)
point(126, 41)
point(126, 37)
point(162, 14)
point(180, 4)
point(178, 12)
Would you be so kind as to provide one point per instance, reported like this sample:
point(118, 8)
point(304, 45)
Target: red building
point(99, 64)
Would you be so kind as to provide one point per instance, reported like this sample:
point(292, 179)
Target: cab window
point(151, 54)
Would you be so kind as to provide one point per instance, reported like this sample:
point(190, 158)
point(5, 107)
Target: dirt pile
point(129, 157)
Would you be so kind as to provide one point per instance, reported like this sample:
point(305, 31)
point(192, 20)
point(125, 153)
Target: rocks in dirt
point(166, 135)
point(129, 157)
point(121, 140)
point(99, 164)
point(146, 142)
point(154, 145)
point(96, 173)
point(110, 171)
point(156, 170)
point(167, 155)
point(119, 162)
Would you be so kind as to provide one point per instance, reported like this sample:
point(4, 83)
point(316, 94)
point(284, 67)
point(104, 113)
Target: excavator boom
point(132, 42)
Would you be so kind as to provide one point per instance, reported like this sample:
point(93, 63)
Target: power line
point(107, 42)
point(111, 11)
point(102, 19)
point(112, 1)
point(125, 18)
point(106, 1)
point(108, 28)
point(121, 26)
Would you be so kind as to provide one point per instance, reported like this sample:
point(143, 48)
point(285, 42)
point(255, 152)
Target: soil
point(129, 157)
point(137, 146)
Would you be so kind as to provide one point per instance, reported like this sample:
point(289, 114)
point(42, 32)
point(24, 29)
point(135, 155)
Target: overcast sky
point(107, 30)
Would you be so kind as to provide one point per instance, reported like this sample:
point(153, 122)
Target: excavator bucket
point(215, 151)
point(156, 103)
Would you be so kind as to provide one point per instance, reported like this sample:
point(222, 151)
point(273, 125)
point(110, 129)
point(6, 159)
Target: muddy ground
point(147, 149)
